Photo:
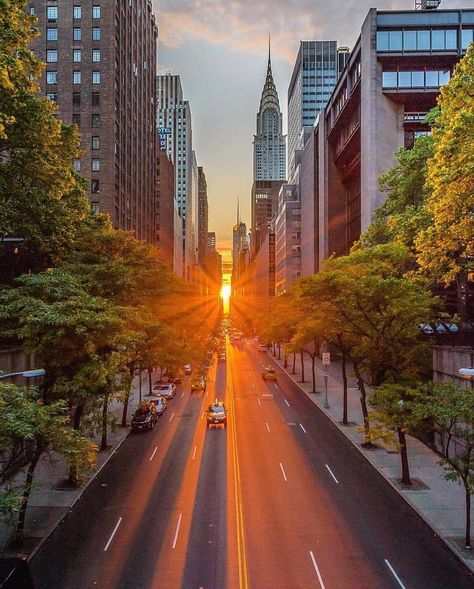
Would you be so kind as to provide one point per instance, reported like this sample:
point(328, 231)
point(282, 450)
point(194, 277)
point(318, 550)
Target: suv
point(145, 417)
point(216, 414)
point(198, 384)
point(165, 390)
point(269, 374)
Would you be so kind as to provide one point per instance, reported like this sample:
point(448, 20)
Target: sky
point(220, 49)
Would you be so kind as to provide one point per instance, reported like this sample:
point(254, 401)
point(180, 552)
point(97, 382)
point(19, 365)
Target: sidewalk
point(438, 501)
point(49, 503)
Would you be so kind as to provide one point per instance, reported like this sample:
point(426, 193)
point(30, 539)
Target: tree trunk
point(313, 371)
point(279, 351)
point(161, 373)
point(149, 380)
point(363, 404)
point(125, 409)
point(302, 366)
point(344, 389)
point(103, 441)
point(285, 364)
point(404, 456)
point(73, 477)
point(293, 370)
point(468, 515)
point(20, 526)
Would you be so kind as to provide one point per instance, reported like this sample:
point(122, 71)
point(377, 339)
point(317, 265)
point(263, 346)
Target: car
point(168, 391)
point(177, 380)
point(216, 414)
point(262, 348)
point(269, 374)
point(144, 417)
point(159, 402)
point(198, 384)
point(222, 357)
point(187, 369)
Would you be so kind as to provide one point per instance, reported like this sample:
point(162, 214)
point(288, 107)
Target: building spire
point(269, 49)
point(238, 210)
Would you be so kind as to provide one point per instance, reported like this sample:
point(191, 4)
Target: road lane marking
point(202, 415)
point(301, 426)
point(253, 385)
point(283, 472)
point(175, 539)
point(287, 402)
point(259, 402)
point(332, 474)
point(113, 534)
point(154, 452)
point(194, 453)
point(392, 570)
point(268, 427)
point(275, 384)
point(182, 394)
point(316, 568)
point(172, 415)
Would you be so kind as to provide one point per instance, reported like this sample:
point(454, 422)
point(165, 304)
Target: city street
point(277, 500)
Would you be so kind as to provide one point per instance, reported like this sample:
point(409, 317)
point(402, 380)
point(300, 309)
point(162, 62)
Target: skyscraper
point(269, 142)
point(313, 80)
point(203, 216)
point(100, 70)
point(174, 127)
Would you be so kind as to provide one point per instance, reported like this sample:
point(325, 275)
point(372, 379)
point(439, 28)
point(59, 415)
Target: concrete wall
point(447, 360)
point(309, 208)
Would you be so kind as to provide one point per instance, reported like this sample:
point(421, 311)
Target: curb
point(30, 556)
point(420, 514)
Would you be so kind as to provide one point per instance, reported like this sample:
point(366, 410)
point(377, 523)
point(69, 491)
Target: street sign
point(326, 358)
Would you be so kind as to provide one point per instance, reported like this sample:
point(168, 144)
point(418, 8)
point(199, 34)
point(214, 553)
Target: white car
point(168, 390)
point(262, 348)
point(159, 402)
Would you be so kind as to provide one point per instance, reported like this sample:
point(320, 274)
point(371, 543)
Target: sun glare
point(226, 291)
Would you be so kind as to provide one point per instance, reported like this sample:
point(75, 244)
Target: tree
point(41, 198)
point(446, 246)
point(38, 428)
point(451, 408)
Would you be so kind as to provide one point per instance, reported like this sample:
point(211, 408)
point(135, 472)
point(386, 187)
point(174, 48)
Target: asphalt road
point(277, 500)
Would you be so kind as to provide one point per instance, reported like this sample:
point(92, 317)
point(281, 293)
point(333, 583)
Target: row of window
point(415, 79)
point(95, 120)
point(423, 40)
point(52, 77)
point(52, 12)
point(95, 165)
point(52, 57)
point(53, 35)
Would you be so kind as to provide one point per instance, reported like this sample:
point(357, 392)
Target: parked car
point(216, 414)
point(144, 417)
point(177, 380)
point(159, 402)
point(269, 374)
point(165, 390)
point(262, 348)
point(222, 357)
point(198, 384)
point(187, 369)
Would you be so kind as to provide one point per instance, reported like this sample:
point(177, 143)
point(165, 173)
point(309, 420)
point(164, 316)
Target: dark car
point(269, 374)
point(145, 417)
point(188, 369)
point(198, 384)
point(216, 414)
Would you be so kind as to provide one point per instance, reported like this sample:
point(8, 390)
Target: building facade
point(264, 206)
point(175, 130)
point(101, 59)
point(203, 217)
point(166, 208)
point(312, 82)
point(287, 238)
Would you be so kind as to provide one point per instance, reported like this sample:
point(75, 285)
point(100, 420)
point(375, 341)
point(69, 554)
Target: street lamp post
point(466, 372)
point(326, 362)
point(26, 373)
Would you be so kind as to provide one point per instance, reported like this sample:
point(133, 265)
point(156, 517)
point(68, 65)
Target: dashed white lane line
point(287, 402)
point(283, 472)
point(302, 427)
point(392, 570)
point(154, 452)
point(332, 474)
point(202, 415)
point(172, 415)
point(113, 534)
point(175, 539)
point(182, 394)
point(259, 402)
point(268, 427)
point(316, 568)
point(275, 384)
point(194, 453)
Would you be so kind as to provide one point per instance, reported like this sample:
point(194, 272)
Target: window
point(418, 79)
point(32, 11)
point(389, 79)
point(76, 119)
point(467, 37)
point(95, 207)
point(76, 77)
point(77, 33)
point(95, 142)
point(77, 12)
point(409, 40)
point(77, 165)
point(52, 34)
point(96, 77)
point(96, 12)
point(423, 40)
point(96, 55)
point(76, 99)
point(95, 99)
point(451, 39)
point(395, 40)
point(52, 13)
point(95, 186)
point(52, 96)
point(95, 165)
point(51, 77)
point(437, 40)
point(96, 33)
point(432, 79)
point(52, 56)
point(77, 56)
point(95, 121)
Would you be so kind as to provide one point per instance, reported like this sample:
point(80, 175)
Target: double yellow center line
point(241, 555)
